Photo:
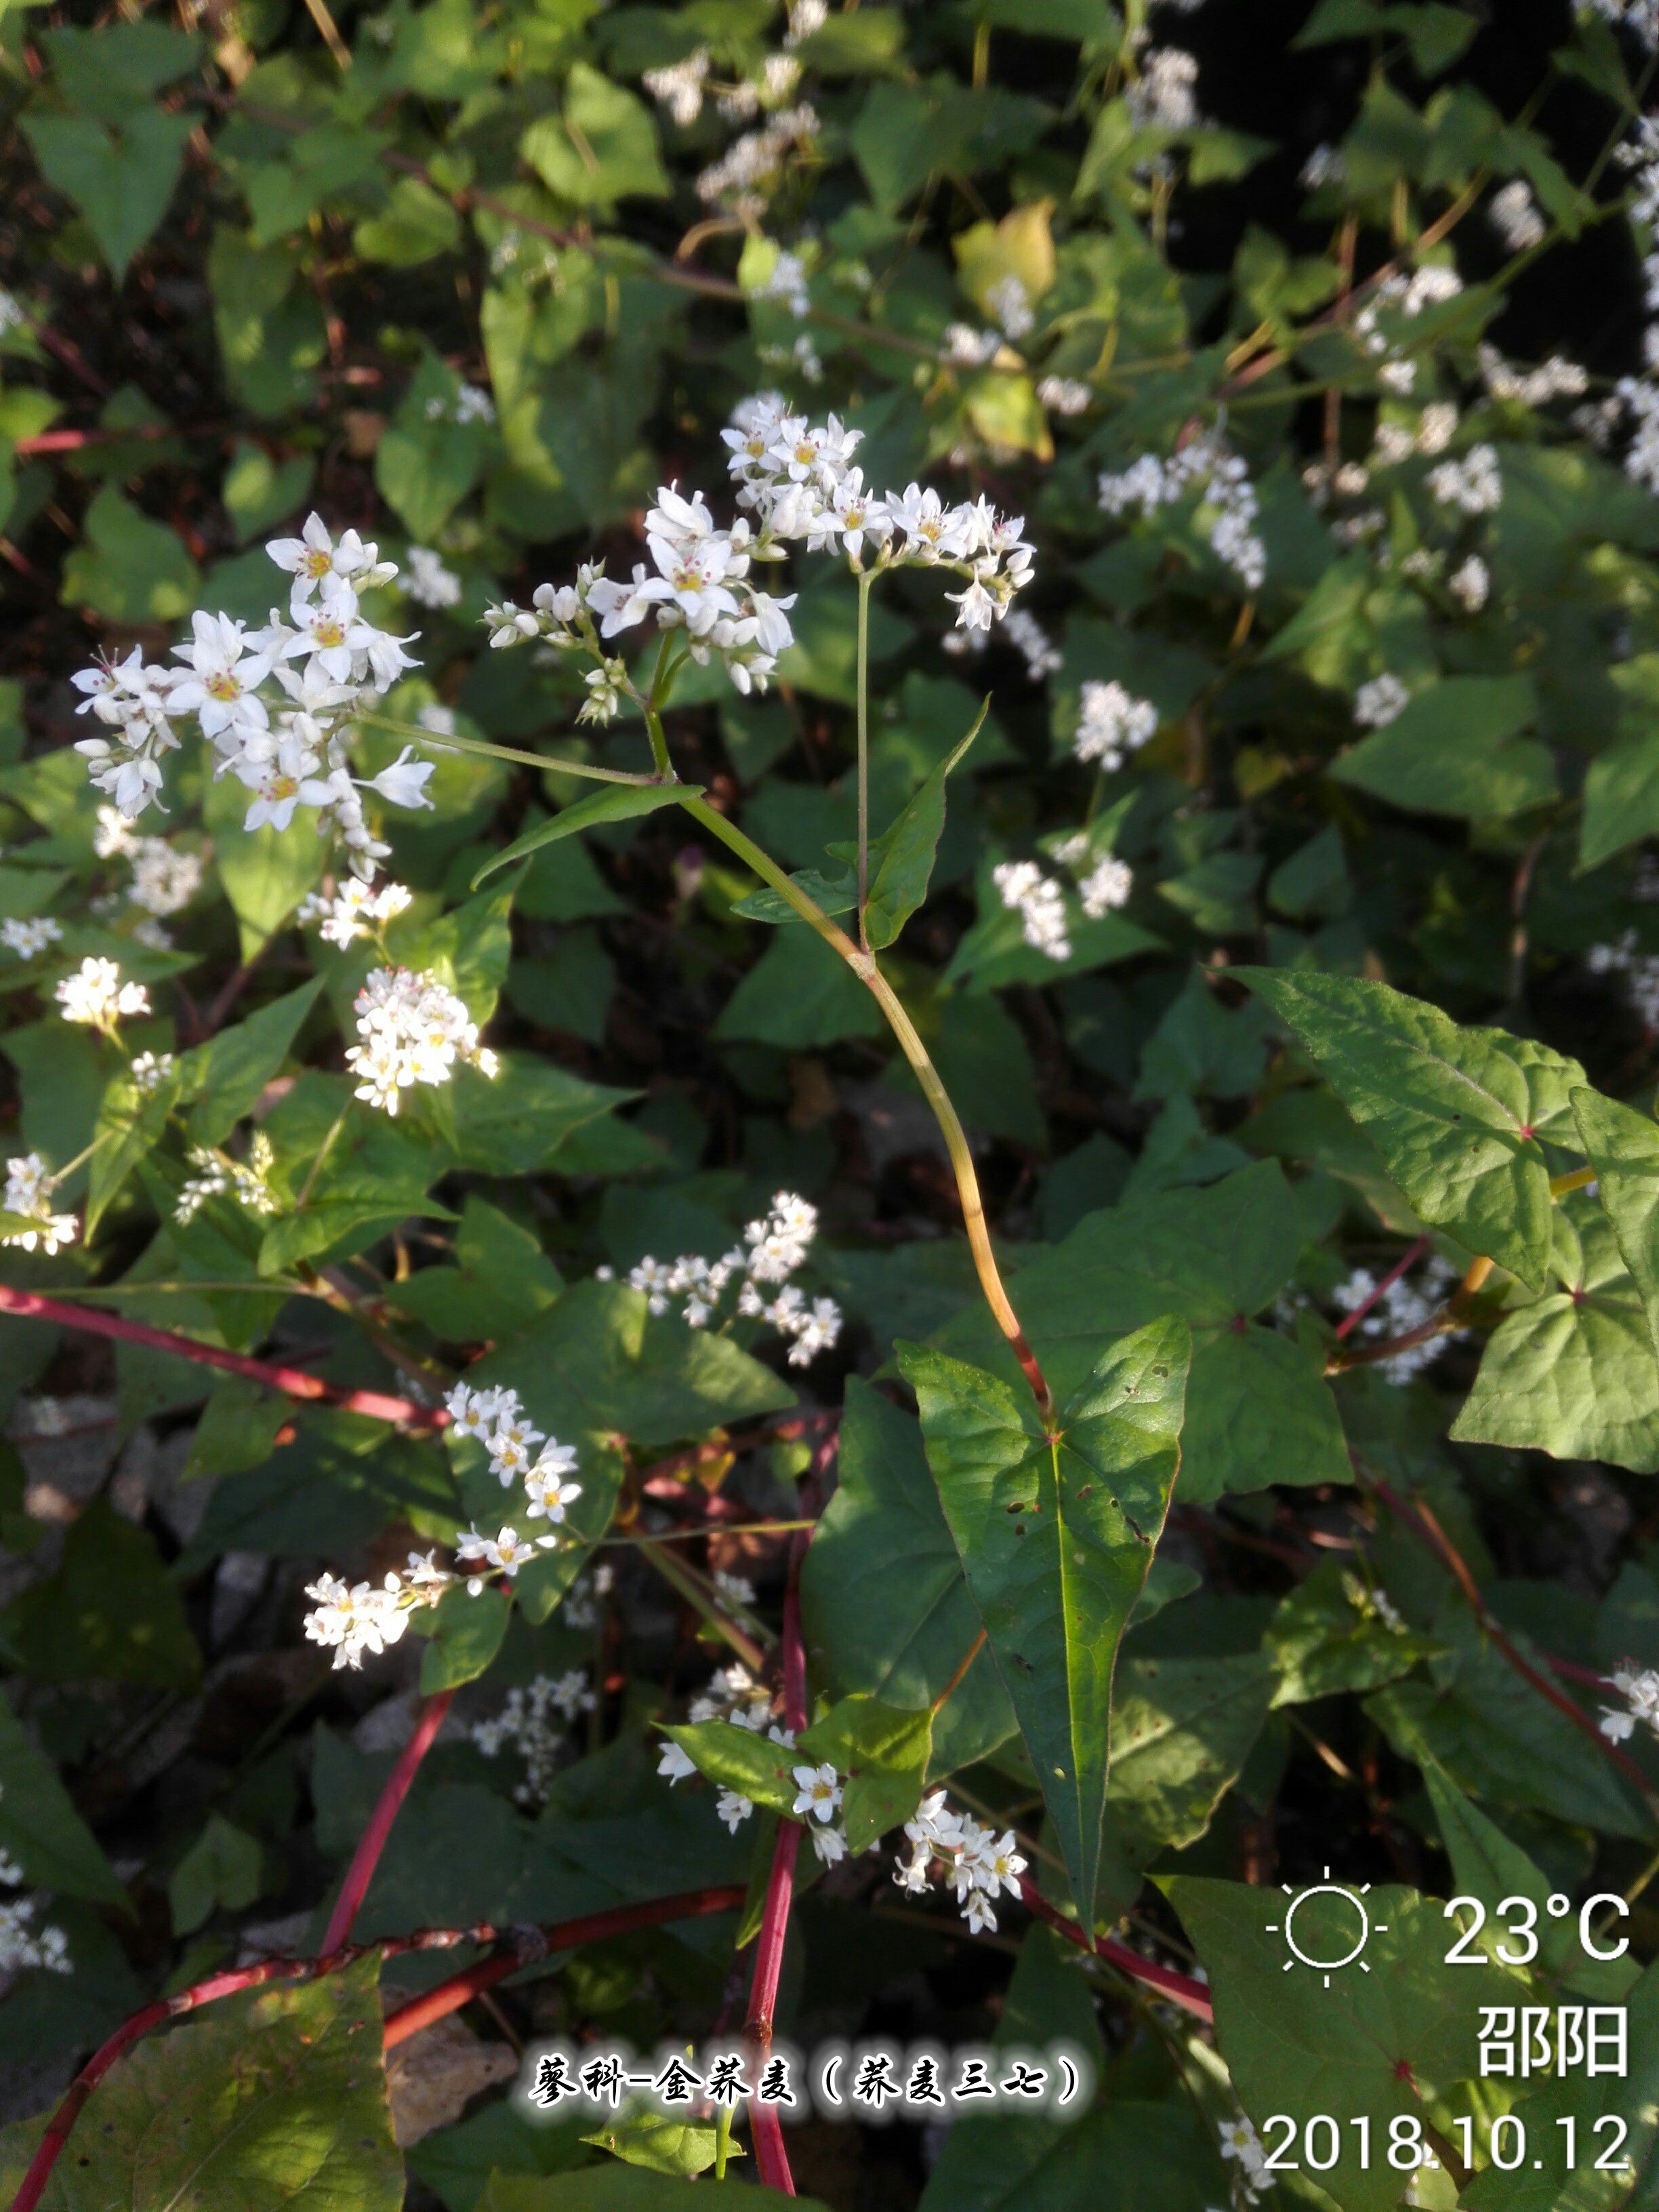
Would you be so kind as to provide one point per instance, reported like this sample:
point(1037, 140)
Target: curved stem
point(1180, 1989)
point(455, 744)
point(373, 1841)
point(293, 1381)
point(864, 967)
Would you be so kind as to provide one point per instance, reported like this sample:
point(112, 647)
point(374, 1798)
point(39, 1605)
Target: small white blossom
point(96, 996)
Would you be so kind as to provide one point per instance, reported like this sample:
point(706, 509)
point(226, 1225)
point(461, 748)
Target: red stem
point(521, 1946)
point(1179, 1989)
point(449, 1997)
point(373, 1841)
point(1409, 1258)
point(293, 1382)
point(765, 2126)
point(1420, 1519)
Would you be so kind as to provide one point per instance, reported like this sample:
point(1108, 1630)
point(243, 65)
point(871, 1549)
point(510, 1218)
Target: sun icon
point(1323, 1931)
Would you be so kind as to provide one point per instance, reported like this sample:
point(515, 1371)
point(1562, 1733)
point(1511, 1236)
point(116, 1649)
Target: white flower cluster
point(1394, 441)
point(29, 1186)
point(1641, 16)
point(1165, 94)
point(1042, 656)
point(1103, 885)
point(1207, 465)
point(1470, 584)
point(1558, 378)
point(1239, 2140)
point(411, 1029)
point(428, 583)
point(682, 85)
point(753, 166)
point(1405, 1305)
point(471, 403)
point(12, 317)
point(978, 1865)
point(536, 1721)
point(798, 480)
point(1112, 723)
point(248, 1181)
point(1639, 1687)
point(774, 1248)
point(275, 705)
point(356, 909)
point(1381, 701)
point(352, 1618)
point(1396, 298)
point(734, 1694)
point(95, 995)
point(1515, 216)
point(1639, 969)
point(151, 1070)
point(28, 937)
point(165, 880)
point(23, 1945)
point(1473, 484)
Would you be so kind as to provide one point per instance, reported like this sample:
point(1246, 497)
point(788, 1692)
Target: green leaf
point(798, 994)
point(902, 859)
point(1327, 1635)
point(1622, 1147)
point(1258, 1408)
point(224, 1868)
point(111, 1613)
point(501, 1281)
point(1056, 1532)
point(602, 148)
point(466, 1633)
point(131, 1123)
point(121, 177)
point(110, 71)
point(258, 491)
point(428, 459)
point(884, 1605)
point(1572, 1372)
point(618, 802)
point(514, 1122)
point(1182, 1728)
point(267, 2099)
point(740, 1759)
point(1375, 2045)
point(40, 1828)
point(238, 1429)
point(415, 224)
point(129, 569)
point(226, 1075)
point(661, 2142)
point(883, 1752)
point(1453, 751)
point(1457, 1113)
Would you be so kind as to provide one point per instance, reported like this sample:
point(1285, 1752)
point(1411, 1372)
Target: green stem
point(863, 965)
point(459, 744)
point(864, 582)
point(722, 2141)
point(696, 1594)
point(653, 710)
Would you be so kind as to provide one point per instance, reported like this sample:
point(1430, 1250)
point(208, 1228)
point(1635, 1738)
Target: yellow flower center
point(227, 684)
point(282, 786)
point(329, 632)
point(313, 563)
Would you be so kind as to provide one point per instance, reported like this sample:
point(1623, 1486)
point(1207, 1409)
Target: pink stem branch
point(1407, 1260)
point(1179, 1989)
point(293, 1382)
point(519, 1947)
point(373, 1841)
point(765, 2127)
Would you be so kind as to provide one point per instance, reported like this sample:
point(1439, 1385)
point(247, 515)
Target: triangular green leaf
point(1056, 1530)
point(617, 804)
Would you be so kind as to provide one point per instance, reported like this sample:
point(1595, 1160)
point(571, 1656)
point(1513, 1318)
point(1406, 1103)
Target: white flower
point(1380, 702)
point(1470, 584)
point(96, 995)
point(1515, 217)
point(27, 937)
point(830, 1844)
point(1040, 903)
point(1473, 484)
point(546, 1485)
point(352, 1618)
point(404, 782)
point(24, 1947)
point(428, 583)
point(29, 1186)
point(164, 878)
point(1239, 2140)
point(225, 672)
point(1106, 887)
point(817, 1791)
point(733, 1808)
point(411, 1030)
point(314, 557)
point(674, 1764)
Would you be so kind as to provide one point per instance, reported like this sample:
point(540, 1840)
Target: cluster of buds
point(535, 1721)
point(277, 705)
